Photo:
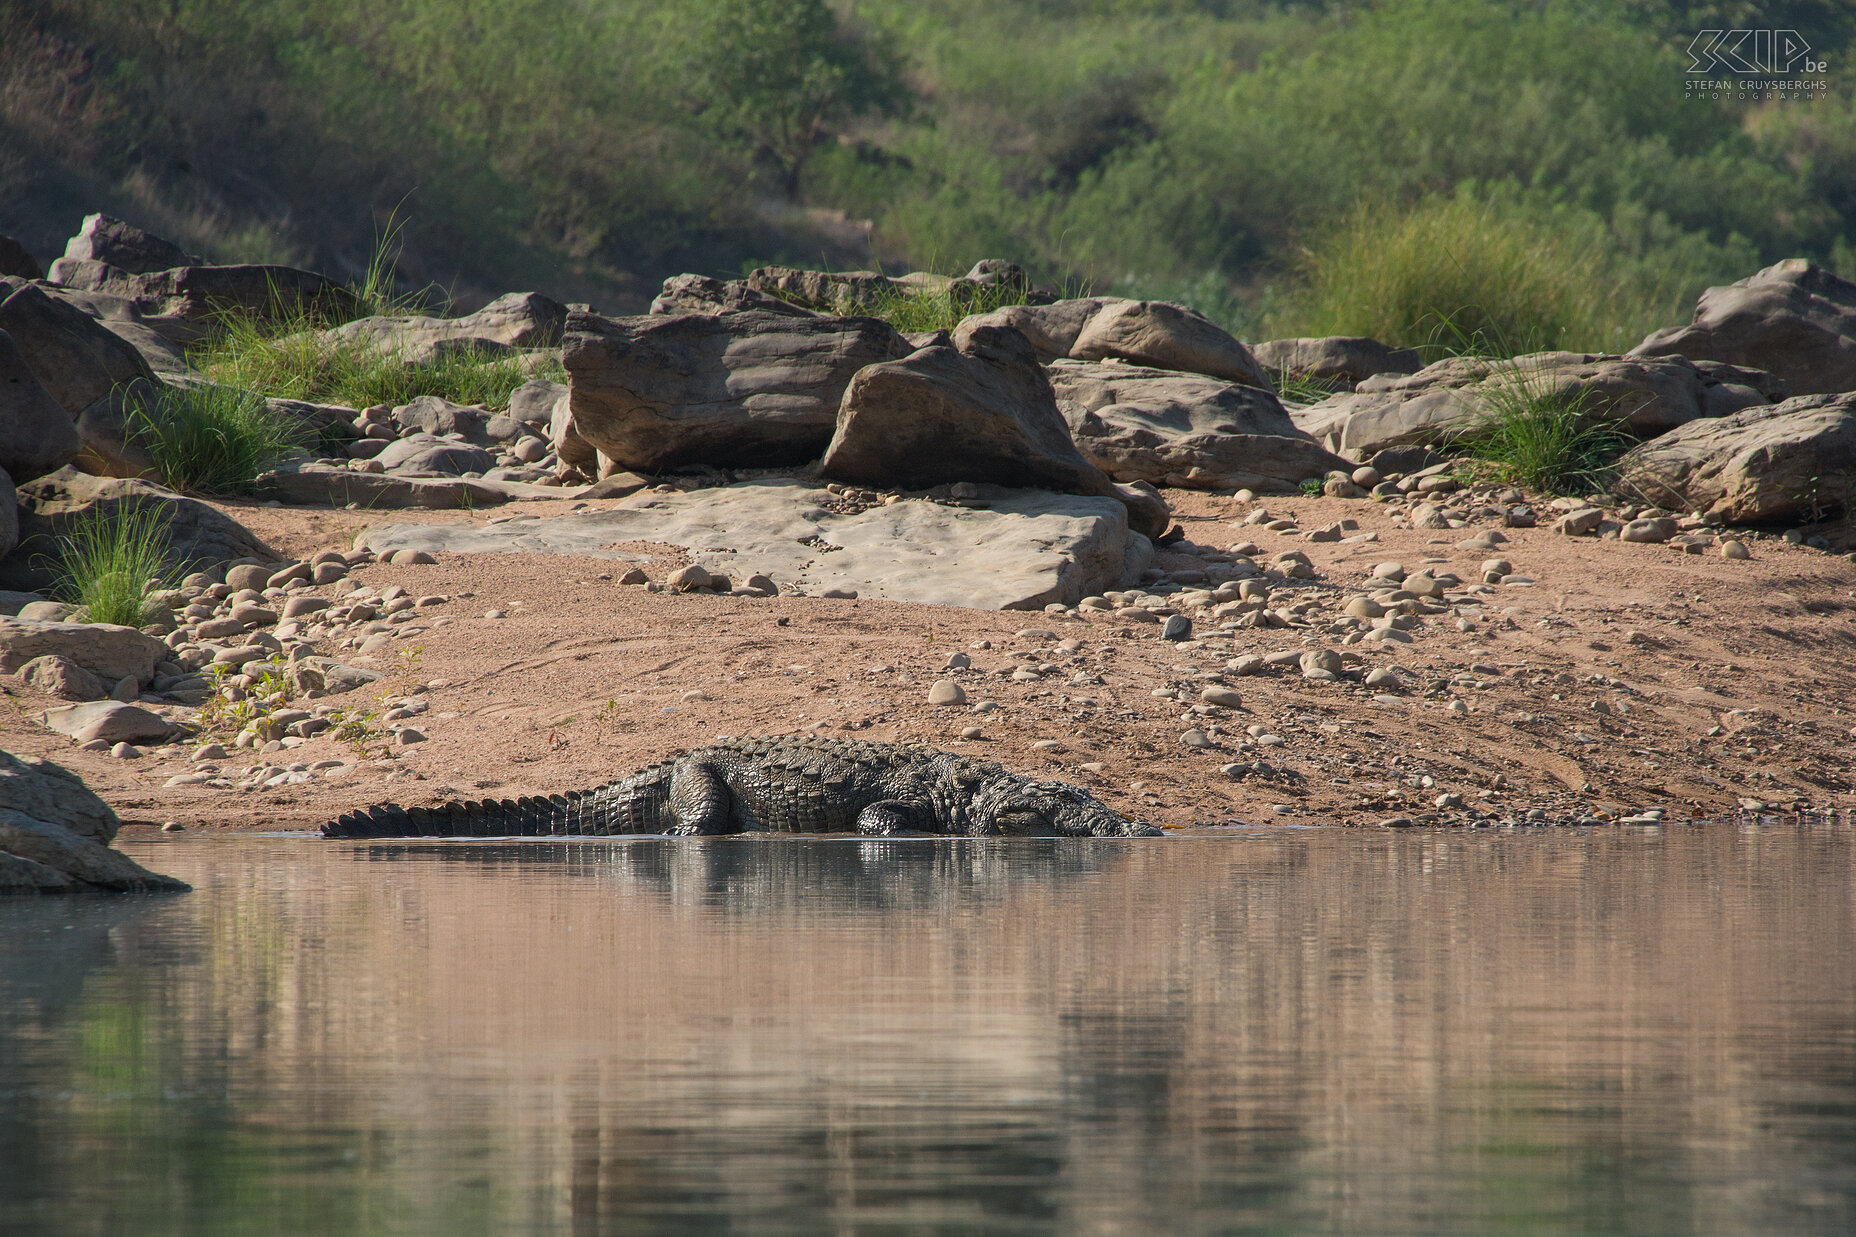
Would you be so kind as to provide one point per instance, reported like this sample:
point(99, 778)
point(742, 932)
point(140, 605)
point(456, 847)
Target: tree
point(777, 75)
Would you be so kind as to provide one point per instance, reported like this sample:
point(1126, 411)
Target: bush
point(211, 439)
point(1534, 432)
point(110, 561)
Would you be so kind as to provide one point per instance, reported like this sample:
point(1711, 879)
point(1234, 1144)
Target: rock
point(104, 650)
point(1385, 680)
point(752, 389)
point(1580, 523)
point(198, 534)
point(1793, 320)
point(435, 415)
point(59, 676)
point(248, 575)
point(1734, 549)
point(1646, 395)
point(1323, 661)
point(1650, 531)
point(685, 578)
point(1222, 698)
point(946, 691)
point(411, 558)
point(1195, 738)
point(1153, 333)
point(1176, 627)
point(958, 661)
point(107, 430)
point(183, 302)
point(516, 320)
point(14, 260)
point(9, 525)
point(316, 484)
point(701, 294)
point(36, 433)
point(1793, 460)
point(78, 859)
point(1141, 424)
point(124, 246)
point(111, 721)
point(977, 410)
point(837, 292)
point(426, 455)
point(1339, 359)
point(1025, 550)
point(1249, 663)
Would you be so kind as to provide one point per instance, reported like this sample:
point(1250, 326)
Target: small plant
point(1533, 431)
point(1311, 487)
point(357, 727)
point(1293, 388)
point(912, 310)
point(110, 561)
point(211, 439)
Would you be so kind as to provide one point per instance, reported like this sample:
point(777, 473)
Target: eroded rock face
point(830, 291)
point(109, 652)
point(73, 355)
point(514, 321)
point(1647, 395)
point(701, 294)
point(976, 407)
point(1013, 549)
point(1341, 360)
point(199, 534)
point(36, 433)
point(183, 302)
point(750, 389)
point(1186, 430)
point(1794, 320)
point(124, 246)
point(1790, 461)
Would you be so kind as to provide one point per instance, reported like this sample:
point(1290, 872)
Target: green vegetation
point(111, 560)
point(1532, 168)
point(935, 309)
point(294, 359)
point(1537, 433)
point(211, 439)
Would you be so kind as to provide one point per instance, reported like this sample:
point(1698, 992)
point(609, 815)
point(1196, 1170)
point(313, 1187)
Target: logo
point(1751, 52)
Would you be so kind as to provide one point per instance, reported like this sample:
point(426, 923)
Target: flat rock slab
point(314, 485)
point(1025, 550)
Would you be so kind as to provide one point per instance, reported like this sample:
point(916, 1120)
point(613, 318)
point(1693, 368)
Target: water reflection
point(1647, 1031)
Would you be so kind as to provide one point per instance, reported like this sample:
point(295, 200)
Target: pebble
point(694, 575)
point(410, 558)
point(172, 826)
point(696, 696)
point(1036, 633)
point(408, 736)
point(1249, 663)
point(1195, 738)
point(1458, 708)
point(634, 575)
point(212, 751)
point(1221, 697)
point(1384, 678)
point(972, 732)
point(126, 751)
point(1048, 745)
point(1734, 549)
point(1389, 571)
point(986, 706)
point(1396, 822)
point(1323, 661)
point(958, 661)
point(946, 691)
point(1178, 627)
point(839, 594)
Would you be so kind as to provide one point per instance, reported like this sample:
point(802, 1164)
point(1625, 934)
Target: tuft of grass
point(211, 439)
point(294, 360)
point(912, 310)
point(1456, 274)
point(1536, 433)
point(1294, 388)
point(110, 561)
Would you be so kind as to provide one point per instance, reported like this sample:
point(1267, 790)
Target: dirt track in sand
point(1736, 686)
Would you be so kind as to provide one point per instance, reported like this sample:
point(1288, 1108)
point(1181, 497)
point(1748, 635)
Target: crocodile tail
point(578, 813)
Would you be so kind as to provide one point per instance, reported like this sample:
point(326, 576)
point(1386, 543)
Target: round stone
point(1221, 697)
point(1734, 549)
point(972, 732)
point(946, 691)
point(1389, 571)
point(1195, 738)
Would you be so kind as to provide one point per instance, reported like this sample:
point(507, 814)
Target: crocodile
point(789, 784)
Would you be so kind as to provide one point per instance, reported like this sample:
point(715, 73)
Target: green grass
point(934, 309)
point(1536, 433)
point(294, 360)
point(109, 562)
point(212, 439)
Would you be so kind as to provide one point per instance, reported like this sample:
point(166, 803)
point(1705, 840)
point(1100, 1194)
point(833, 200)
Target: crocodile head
point(1056, 809)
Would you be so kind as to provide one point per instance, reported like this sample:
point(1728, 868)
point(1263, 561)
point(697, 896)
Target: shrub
point(109, 561)
point(211, 439)
point(1535, 432)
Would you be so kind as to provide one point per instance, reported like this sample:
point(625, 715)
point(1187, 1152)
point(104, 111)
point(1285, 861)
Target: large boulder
point(427, 454)
point(16, 261)
point(702, 294)
point(74, 356)
point(185, 302)
point(515, 321)
point(1338, 360)
point(977, 407)
point(107, 429)
point(999, 549)
point(9, 515)
point(120, 318)
point(1186, 430)
point(752, 389)
point(110, 652)
point(36, 433)
point(1154, 333)
point(1645, 395)
point(199, 535)
point(1793, 319)
point(122, 245)
point(1793, 461)
point(55, 834)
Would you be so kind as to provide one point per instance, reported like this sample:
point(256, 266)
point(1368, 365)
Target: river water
point(1643, 1031)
